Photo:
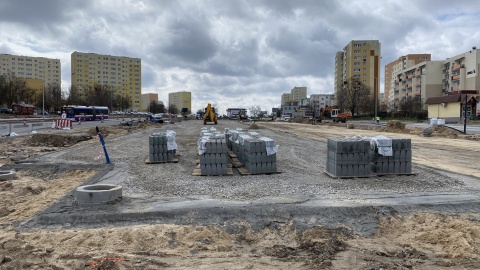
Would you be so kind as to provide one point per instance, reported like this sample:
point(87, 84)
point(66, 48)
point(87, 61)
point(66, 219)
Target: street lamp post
point(43, 100)
point(375, 95)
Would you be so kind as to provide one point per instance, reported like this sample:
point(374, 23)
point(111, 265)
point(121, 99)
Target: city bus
point(84, 113)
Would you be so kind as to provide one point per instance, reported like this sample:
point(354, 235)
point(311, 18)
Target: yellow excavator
point(210, 115)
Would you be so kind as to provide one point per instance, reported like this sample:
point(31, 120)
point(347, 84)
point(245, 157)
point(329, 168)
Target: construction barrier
point(62, 123)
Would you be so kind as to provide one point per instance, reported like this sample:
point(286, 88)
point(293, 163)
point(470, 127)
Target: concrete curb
point(7, 175)
point(98, 193)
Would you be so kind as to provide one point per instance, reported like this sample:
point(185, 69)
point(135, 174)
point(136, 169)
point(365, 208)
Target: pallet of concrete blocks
point(348, 157)
point(390, 155)
point(213, 154)
point(231, 135)
point(162, 147)
point(257, 154)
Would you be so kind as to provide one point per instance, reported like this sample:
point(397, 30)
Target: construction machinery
point(210, 115)
point(332, 112)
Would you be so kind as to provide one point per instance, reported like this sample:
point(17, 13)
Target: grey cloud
point(189, 41)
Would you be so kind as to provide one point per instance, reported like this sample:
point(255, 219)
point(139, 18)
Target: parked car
point(5, 110)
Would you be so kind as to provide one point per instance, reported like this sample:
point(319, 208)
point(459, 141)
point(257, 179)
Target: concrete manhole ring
point(98, 193)
point(7, 175)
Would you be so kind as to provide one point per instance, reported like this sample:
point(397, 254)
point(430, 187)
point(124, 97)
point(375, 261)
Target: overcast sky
point(235, 53)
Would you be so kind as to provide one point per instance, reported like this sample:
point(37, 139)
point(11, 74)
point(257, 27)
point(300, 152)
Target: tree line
point(15, 90)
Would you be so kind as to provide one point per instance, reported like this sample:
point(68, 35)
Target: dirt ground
point(419, 241)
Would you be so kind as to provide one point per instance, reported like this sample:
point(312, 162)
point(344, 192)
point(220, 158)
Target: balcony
point(418, 73)
point(456, 88)
point(409, 85)
point(455, 77)
point(456, 67)
point(410, 76)
point(418, 83)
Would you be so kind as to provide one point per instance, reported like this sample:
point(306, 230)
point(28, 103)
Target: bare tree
point(172, 109)
point(74, 97)
point(255, 110)
point(350, 95)
point(156, 107)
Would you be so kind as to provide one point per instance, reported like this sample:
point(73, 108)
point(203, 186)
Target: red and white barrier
point(62, 123)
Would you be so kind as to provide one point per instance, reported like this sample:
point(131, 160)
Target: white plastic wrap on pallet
point(383, 144)
point(171, 144)
point(243, 137)
point(270, 144)
point(201, 144)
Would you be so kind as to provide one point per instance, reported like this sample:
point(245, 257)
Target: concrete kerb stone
point(98, 193)
point(7, 175)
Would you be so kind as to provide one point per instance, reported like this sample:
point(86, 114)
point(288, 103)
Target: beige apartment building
point(297, 94)
point(38, 71)
point(122, 73)
point(393, 69)
point(182, 99)
point(360, 60)
point(147, 99)
point(423, 80)
point(285, 98)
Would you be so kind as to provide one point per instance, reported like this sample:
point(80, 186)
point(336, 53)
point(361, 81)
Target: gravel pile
point(301, 163)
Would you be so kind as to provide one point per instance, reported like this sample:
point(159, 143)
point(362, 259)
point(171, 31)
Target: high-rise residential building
point(147, 99)
point(181, 100)
point(396, 67)
point(296, 95)
point(285, 98)
point(319, 101)
point(360, 60)
point(460, 72)
point(123, 74)
point(423, 80)
point(37, 71)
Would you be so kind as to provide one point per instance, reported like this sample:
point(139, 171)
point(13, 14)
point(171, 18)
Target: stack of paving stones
point(392, 156)
point(257, 154)
point(212, 148)
point(159, 144)
point(349, 157)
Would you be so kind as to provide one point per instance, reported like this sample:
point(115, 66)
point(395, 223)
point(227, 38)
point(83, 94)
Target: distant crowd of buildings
point(412, 75)
point(442, 86)
point(123, 74)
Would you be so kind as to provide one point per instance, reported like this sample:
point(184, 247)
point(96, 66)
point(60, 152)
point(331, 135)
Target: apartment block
point(297, 94)
point(423, 80)
point(38, 71)
point(319, 101)
point(123, 74)
point(461, 72)
point(286, 97)
point(182, 99)
point(360, 59)
point(393, 69)
point(147, 99)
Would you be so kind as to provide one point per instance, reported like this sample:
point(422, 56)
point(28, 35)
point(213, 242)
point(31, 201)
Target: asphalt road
point(17, 125)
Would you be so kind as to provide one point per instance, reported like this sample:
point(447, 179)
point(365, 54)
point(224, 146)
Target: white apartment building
point(460, 72)
point(319, 101)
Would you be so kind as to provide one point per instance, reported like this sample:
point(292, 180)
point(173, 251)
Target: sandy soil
point(421, 241)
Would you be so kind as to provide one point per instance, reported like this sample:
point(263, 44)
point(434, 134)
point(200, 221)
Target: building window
point(356, 63)
point(356, 57)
